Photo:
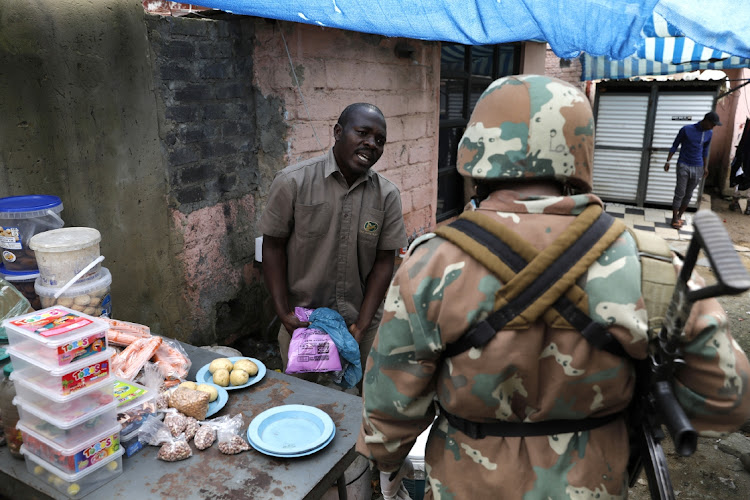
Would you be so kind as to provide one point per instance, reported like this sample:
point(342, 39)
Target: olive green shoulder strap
point(658, 276)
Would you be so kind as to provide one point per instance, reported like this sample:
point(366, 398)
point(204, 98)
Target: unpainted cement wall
point(78, 120)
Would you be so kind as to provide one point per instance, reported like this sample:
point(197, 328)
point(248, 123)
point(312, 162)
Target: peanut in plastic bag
point(175, 450)
point(229, 437)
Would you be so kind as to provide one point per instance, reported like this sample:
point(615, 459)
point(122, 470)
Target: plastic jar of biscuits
point(91, 297)
point(24, 282)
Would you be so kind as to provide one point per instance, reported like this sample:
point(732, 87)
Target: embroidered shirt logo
point(370, 226)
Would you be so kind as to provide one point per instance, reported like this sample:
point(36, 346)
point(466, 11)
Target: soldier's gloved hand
point(391, 485)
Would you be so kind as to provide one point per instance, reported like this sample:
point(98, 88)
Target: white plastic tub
point(63, 380)
point(90, 297)
point(64, 433)
point(63, 253)
point(79, 484)
point(56, 336)
point(76, 458)
point(69, 408)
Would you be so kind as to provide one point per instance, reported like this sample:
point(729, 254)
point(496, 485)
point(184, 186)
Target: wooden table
point(211, 474)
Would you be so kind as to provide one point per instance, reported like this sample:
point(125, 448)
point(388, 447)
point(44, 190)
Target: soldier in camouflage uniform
point(529, 145)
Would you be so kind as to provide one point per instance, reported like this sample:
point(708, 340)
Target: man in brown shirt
point(330, 230)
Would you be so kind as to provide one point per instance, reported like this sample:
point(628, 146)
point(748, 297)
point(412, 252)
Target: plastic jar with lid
point(22, 217)
point(9, 413)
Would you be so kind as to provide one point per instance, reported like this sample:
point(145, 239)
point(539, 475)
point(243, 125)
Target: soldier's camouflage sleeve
point(712, 386)
point(398, 378)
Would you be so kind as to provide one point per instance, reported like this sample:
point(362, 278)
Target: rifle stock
point(655, 403)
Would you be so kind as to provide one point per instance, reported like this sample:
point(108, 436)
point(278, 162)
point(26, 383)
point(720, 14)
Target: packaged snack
point(228, 435)
point(177, 449)
point(172, 360)
point(176, 422)
point(129, 362)
point(190, 402)
point(205, 436)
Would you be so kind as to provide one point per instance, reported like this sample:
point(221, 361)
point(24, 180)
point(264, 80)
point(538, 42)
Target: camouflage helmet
point(530, 126)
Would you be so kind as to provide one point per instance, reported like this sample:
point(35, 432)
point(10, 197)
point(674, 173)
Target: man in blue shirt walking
point(692, 165)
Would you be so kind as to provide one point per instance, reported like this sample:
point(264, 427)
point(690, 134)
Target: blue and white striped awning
point(664, 50)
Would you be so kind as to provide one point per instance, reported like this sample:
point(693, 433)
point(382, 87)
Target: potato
point(246, 365)
point(218, 364)
point(189, 385)
point(221, 377)
point(211, 390)
point(238, 377)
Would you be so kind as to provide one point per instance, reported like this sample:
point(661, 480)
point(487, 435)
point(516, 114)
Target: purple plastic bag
point(311, 350)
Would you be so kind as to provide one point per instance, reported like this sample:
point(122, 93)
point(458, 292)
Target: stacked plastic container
point(65, 398)
point(70, 270)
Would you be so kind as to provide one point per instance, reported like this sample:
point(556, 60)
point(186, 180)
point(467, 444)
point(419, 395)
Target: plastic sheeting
point(598, 27)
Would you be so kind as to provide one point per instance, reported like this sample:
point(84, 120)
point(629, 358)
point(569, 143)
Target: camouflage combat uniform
point(532, 373)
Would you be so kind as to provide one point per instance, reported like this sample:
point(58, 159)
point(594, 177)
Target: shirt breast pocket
point(370, 225)
point(312, 221)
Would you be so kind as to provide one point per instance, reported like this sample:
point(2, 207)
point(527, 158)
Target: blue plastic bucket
point(21, 217)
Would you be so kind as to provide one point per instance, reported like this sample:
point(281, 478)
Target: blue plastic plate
point(220, 401)
point(3, 354)
point(290, 430)
point(204, 376)
point(293, 455)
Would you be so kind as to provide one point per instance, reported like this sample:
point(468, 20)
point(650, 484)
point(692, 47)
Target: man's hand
point(291, 322)
point(356, 332)
point(705, 172)
point(666, 167)
point(391, 485)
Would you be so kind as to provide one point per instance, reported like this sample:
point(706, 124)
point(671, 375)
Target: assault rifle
point(654, 403)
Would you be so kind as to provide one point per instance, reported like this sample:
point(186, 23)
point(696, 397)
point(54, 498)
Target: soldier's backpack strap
point(532, 285)
point(658, 275)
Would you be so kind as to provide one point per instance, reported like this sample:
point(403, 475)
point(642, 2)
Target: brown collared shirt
point(333, 231)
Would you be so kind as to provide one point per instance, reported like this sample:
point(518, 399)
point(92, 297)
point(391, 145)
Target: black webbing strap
point(479, 430)
point(595, 333)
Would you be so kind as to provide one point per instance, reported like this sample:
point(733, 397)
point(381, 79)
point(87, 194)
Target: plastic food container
point(78, 484)
point(90, 297)
point(63, 380)
point(67, 409)
point(64, 433)
point(22, 217)
point(24, 283)
point(56, 336)
point(62, 253)
point(131, 444)
point(135, 404)
point(77, 458)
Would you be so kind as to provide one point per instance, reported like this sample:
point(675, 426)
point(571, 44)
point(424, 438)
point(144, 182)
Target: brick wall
point(203, 71)
point(335, 68)
point(568, 70)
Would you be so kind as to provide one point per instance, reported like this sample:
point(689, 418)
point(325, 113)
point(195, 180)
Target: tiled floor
point(652, 219)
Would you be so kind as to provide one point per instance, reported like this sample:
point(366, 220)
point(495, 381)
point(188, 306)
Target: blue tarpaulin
point(610, 28)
